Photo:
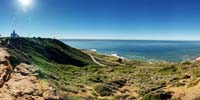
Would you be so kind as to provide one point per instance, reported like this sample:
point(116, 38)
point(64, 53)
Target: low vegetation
point(158, 95)
point(76, 77)
point(51, 50)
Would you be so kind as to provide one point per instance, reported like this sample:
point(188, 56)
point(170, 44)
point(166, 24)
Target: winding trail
point(184, 93)
point(95, 61)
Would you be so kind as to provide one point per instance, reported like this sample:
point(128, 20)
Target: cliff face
point(5, 68)
point(32, 68)
point(22, 83)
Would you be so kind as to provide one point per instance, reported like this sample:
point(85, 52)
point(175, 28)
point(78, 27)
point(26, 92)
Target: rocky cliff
point(35, 68)
point(22, 82)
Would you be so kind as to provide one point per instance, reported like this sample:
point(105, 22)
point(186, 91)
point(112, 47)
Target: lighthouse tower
point(14, 34)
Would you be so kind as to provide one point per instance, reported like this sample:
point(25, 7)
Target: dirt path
point(184, 93)
point(3, 54)
point(95, 61)
point(5, 68)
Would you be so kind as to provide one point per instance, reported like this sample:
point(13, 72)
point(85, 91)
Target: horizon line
point(106, 39)
point(131, 39)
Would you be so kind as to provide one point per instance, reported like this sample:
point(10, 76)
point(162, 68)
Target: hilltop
point(28, 50)
point(63, 72)
point(50, 58)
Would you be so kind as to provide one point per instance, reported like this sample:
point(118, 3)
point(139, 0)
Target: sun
point(25, 3)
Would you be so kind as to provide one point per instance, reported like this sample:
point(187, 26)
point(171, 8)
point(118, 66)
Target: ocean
point(149, 50)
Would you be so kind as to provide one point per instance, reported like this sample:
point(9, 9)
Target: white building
point(14, 35)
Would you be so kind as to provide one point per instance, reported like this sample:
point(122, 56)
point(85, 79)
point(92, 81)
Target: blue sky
point(103, 19)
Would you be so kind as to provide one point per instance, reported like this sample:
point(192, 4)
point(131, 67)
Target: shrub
point(118, 83)
point(178, 84)
point(168, 70)
point(70, 89)
point(193, 83)
point(157, 96)
point(94, 94)
point(41, 74)
point(186, 63)
point(198, 98)
point(96, 79)
point(121, 97)
point(104, 90)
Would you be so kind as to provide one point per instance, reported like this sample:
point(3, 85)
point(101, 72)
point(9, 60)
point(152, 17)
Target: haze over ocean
point(149, 50)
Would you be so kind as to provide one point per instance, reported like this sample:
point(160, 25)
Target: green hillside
point(56, 61)
point(28, 50)
point(75, 76)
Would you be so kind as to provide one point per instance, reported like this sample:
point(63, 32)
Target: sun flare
point(25, 3)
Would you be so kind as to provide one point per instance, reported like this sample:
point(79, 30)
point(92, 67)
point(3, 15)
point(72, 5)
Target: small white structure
point(14, 34)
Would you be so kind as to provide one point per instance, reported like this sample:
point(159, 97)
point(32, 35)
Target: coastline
point(169, 78)
point(148, 60)
point(170, 51)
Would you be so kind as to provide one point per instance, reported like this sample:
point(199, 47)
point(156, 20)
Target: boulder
point(37, 98)
point(50, 95)
point(5, 96)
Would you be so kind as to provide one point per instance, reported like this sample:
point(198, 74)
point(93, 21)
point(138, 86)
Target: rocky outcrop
point(24, 85)
point(22, 82)
point(4, 67)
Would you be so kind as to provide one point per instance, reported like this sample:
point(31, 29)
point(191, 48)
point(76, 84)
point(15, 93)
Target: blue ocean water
point(150, 50)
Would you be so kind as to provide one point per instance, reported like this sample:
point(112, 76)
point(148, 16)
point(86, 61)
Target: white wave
point(94, 50)
point(116, 55)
